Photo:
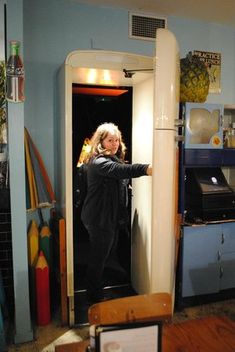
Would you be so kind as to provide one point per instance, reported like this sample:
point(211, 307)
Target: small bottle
point(15, 75)
point(231, 136)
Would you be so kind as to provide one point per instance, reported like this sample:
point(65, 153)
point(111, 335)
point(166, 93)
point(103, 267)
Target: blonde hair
point(98, 137)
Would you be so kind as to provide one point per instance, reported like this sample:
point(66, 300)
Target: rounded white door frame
point(77, 66)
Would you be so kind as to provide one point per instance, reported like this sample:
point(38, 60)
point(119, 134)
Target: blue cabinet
point(208, 259)
point(207, 255)
point(227, 258)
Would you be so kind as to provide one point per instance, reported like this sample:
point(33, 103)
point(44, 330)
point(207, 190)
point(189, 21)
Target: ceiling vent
point(144, 27)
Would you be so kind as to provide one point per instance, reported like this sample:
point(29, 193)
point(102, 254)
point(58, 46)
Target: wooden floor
point(210, 334)
point(45, 336)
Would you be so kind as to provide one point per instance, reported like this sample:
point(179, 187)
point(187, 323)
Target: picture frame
point(133, 337)
point(212, 61)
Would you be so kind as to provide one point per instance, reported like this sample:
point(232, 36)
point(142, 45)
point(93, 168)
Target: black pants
point(102, 243)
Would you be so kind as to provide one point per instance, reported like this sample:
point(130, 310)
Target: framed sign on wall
point(213, 64)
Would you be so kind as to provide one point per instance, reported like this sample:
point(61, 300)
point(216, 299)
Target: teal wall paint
point(50, 29)
point(53, 28)
point(22, 330)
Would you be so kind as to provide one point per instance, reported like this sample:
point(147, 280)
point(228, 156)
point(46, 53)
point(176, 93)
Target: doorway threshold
point(111, 292)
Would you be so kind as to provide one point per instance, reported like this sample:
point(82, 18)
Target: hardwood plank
point(209, 334)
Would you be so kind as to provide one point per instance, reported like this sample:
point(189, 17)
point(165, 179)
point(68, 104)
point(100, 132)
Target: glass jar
point(231, 136)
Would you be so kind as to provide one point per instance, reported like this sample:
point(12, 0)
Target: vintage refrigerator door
point(165, 180)
point(142, 138)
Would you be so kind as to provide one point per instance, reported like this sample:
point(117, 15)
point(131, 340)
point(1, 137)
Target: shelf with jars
point(229, 126)
point(209, 133)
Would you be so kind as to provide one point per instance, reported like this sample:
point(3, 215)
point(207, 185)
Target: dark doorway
point(93, 105)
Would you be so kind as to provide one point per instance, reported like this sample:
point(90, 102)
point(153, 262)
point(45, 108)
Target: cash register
point(208, 196)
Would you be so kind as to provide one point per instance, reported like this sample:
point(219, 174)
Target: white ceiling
point(218, 11)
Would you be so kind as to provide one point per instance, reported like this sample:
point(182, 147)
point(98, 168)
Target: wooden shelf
point(229, 106)
point(209, 157)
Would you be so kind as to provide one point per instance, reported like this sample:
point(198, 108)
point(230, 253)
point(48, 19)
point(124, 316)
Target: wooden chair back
point(151, 307)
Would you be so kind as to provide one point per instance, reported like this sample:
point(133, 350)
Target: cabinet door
point(228, 237)
point(227, 271)
point(200, 260)
point(227, 259)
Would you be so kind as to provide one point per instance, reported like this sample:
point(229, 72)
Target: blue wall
point(53, 28)
point(22, 325)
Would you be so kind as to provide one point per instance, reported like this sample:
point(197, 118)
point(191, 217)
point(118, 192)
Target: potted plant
point(4, 194)
point(3, 127)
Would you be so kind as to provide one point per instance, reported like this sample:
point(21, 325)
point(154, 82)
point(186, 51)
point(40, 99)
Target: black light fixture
point(130, 73)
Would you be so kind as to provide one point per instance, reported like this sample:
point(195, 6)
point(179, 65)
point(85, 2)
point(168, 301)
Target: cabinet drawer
point(228, 238)
point(227, 271)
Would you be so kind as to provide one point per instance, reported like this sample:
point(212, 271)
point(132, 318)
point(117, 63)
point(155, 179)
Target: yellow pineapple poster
point(213, 64)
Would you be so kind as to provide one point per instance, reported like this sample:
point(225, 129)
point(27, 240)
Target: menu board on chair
point(136, 337)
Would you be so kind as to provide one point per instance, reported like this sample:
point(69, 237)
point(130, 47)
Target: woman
point(103, 209)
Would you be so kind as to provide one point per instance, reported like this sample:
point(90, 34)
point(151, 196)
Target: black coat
point(103, 200)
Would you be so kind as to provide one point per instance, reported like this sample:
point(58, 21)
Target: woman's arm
point(109, 168)
point(149, 170)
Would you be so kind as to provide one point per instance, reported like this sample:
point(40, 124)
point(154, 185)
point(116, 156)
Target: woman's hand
point(149, 170)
